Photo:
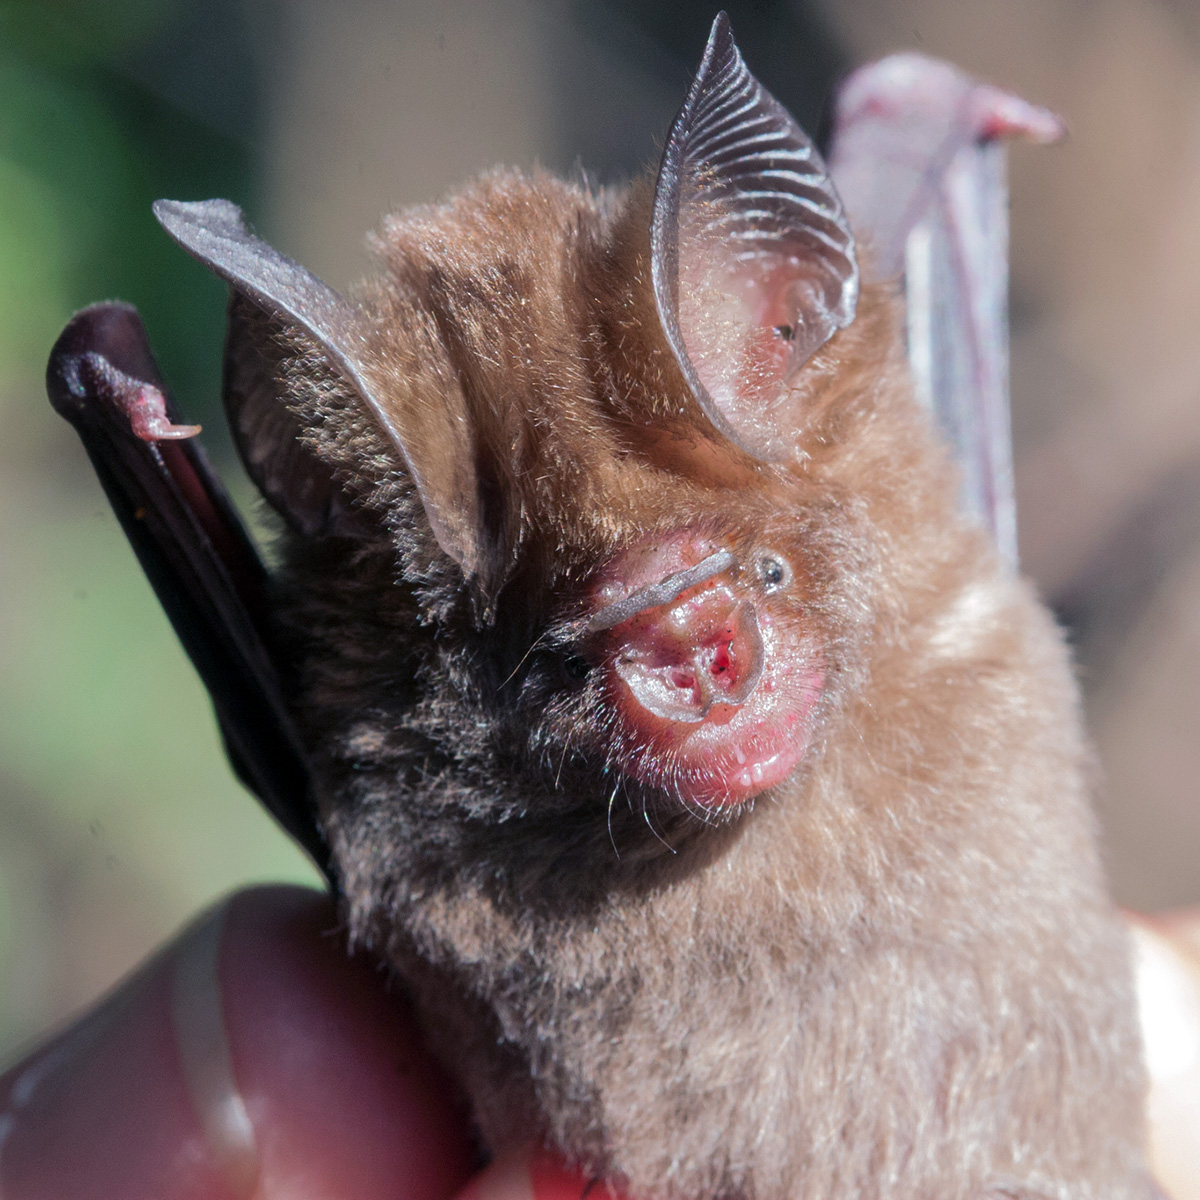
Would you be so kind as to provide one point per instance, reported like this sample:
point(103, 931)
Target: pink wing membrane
point(918, 161)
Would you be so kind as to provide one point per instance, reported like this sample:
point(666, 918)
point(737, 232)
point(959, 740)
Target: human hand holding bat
point(704, 774)
point(105, 1110)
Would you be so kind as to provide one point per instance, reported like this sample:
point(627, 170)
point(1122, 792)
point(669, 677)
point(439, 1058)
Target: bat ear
point(273, 294)
point(269, 437)
point(752, 259)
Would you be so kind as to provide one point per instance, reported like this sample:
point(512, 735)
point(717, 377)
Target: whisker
point(650, 826)
point(611, 800)
point(561, 761)
point(537, 641)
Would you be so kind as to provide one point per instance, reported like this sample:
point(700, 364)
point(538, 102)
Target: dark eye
point(576, 666)
point(786, 332)
point(774, 572)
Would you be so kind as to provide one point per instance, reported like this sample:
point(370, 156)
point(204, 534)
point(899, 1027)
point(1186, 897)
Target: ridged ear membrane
point(752, 259)
point(270, 289)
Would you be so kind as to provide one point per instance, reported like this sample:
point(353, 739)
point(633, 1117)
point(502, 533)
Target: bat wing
point(191, 544)
point(919, 163)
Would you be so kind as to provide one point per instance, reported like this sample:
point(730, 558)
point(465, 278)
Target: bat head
point(578, 486)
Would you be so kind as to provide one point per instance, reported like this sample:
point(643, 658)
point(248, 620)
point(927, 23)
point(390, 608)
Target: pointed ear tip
point(174, 215)
point(191, 211)
point(722, 30)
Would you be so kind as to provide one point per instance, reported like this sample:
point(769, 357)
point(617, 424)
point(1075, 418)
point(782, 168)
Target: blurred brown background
point(118, 817)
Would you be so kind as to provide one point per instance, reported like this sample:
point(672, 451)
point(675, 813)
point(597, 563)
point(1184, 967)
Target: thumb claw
point(149, 421)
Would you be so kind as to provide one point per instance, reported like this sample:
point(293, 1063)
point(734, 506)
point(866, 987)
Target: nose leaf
point(682, 662)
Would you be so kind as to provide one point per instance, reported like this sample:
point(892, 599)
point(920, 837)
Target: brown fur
point(895, 975)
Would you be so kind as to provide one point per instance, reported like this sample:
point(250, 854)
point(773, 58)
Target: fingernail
point(1168, 991)
point(25, 1088)
point(201, 1037)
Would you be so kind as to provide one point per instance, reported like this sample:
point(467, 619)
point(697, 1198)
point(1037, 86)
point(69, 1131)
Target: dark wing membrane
point(918, 159)
point(193, 548)
point(739, 173)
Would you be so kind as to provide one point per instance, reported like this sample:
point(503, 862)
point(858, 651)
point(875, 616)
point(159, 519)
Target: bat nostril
point(735, 662)
point(722, 660)
point(674, 691)
point(683, 681)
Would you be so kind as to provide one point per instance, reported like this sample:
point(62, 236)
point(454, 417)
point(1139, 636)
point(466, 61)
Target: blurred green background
point(118, 816)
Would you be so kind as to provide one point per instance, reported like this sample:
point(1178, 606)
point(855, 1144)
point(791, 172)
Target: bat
point(646, 665)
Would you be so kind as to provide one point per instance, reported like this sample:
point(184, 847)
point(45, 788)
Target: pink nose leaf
point(681, 662)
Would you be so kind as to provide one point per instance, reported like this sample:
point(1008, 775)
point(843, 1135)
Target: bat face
point(692, 761)
point(611, 413)
point(667, 616)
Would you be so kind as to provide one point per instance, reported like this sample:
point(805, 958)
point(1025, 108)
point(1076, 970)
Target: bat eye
point(773, 572)
point(784, 332)
point(576, 667)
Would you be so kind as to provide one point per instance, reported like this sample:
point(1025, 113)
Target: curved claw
point(147, 409)
point(193, 547)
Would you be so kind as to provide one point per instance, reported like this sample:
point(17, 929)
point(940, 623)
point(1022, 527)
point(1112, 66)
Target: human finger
point(1167, 957)
point(253, 1059)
